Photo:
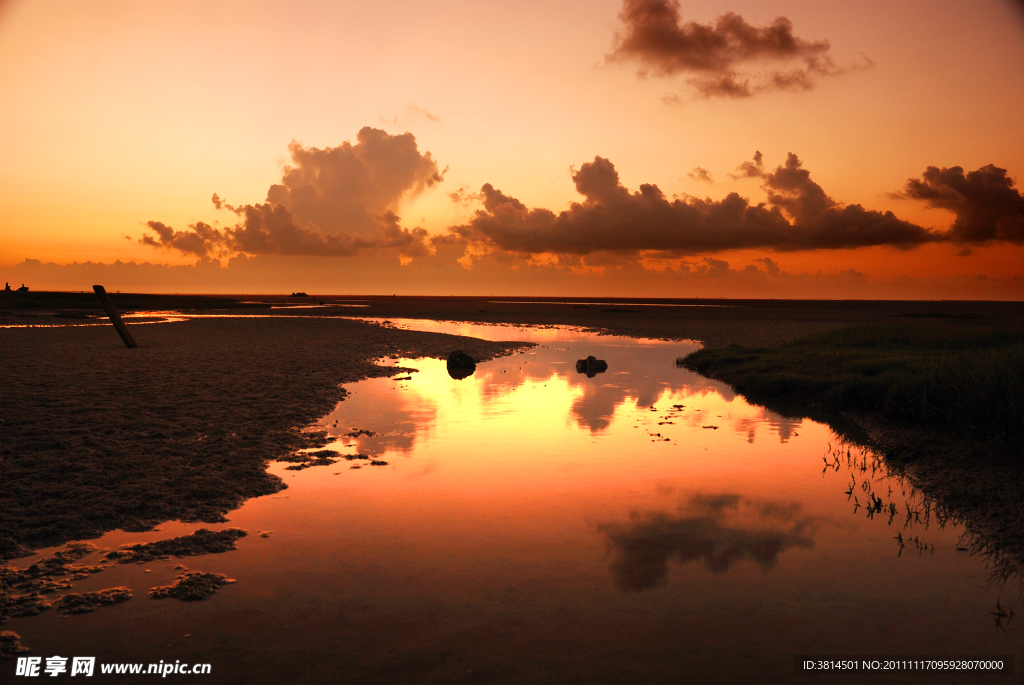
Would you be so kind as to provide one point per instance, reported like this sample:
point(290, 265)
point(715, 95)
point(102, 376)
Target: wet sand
point(97, 437)
point(713, 323)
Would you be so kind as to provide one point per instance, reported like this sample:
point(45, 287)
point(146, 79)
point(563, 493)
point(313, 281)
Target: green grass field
point(964, 375)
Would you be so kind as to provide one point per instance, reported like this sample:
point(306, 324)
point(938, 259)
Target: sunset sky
point(607, 147)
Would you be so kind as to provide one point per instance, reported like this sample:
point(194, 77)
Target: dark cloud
point(770, 265)
point(798, 216)
point(462, 196)
point(267, 229)
point(724, 58)
point(701, 174)
point(719, 530)
point(331, 201)
point(754, 169)
point(987, 206)
point(201, 241)
point(654, 33)
point(725, 86)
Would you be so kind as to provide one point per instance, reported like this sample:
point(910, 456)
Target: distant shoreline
point(745, 322)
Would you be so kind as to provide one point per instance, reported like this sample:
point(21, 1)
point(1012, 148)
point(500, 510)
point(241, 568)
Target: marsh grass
point(962, 374)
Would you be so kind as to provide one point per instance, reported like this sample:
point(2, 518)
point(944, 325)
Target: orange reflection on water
point(530, 515)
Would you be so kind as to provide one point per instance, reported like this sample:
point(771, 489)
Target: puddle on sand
point(530, 524)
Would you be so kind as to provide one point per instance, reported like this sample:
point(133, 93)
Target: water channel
point(529, 523)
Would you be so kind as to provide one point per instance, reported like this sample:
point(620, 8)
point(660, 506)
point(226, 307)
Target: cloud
point(461, 196)
point(754, 169)
point(770, 265)
point(330, 202)
point(267, 229)
point(444, 272)
point(419, 111)
point(411, 111)
point(701, 174)
point(719, 530)
point(987, 206)
point(346, 187)
point(202, 240)
point(722, 58)
point(798, 216)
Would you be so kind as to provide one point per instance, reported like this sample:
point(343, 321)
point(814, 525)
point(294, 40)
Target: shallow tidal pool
point(531, 524)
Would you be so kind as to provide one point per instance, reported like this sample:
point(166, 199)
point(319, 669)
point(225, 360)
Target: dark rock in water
point(591, 366)
point(191, 586)
point(460, 365)
point(460, 360)
point(21, 591)
point(202, 541)
point(17, 606)
point(74, 603)
point(459, 374)
point(352, 457)
point(10, 644)
point(303, 460)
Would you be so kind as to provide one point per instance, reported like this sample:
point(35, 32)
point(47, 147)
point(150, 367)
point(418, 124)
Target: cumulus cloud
point(270, 229)
point(699, 173)
point(754, 169)
point(201, 241)
point(463, 197)
point(986, 205)
point(331, 201)
point(346, 187)
point(799, 215)
point(719, 530)
point(725, 58)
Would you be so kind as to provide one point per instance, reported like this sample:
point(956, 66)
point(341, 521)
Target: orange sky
point(116, 114)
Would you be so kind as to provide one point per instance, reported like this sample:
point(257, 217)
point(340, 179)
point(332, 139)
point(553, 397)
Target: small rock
point(191, 586)
point(591, 366)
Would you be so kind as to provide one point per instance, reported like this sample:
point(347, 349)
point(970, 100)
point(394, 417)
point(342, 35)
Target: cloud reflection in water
point(718, 529)
point(641, 375)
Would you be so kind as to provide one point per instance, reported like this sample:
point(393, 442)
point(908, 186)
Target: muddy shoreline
point(714, 323)
point(97, 437)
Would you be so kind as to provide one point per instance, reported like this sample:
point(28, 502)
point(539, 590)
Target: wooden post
point(115, 318)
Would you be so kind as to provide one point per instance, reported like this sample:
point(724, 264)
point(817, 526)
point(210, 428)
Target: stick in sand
point(115, 318)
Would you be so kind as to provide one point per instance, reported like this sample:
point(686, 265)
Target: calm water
point(532, 524)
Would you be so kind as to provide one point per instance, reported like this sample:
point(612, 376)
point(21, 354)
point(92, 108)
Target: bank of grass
point(962, 375)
